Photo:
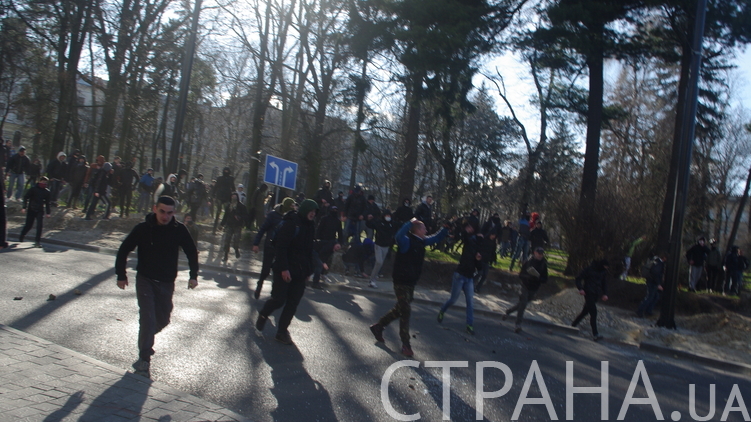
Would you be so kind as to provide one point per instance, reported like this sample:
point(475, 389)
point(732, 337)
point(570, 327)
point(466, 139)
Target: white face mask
point(387, 218)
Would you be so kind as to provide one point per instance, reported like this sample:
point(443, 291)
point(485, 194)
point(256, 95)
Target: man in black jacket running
point(158, 240)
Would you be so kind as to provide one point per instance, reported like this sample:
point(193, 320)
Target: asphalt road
point(335, 369)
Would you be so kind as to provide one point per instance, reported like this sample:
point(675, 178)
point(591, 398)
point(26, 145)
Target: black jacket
point(330, 228)
point(57, 169)
point(468, 263)
point(487, 247)
point(223, 188)
point(384, 231)
point(100, 181)
point(324, 193)
point(594, 280)
point(656, 273)
point(355, 206)
point(235, 218)
point(424, 213)
point(403, 214)
point(18, 164)
point(372, 209)
point(37, 199)
point(293, 246)
point(273, 218)
point(538, 238)
point(698, 254)
point(158, 249)
point(530, 281)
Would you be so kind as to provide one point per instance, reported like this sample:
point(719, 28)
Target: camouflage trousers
point(402, 310)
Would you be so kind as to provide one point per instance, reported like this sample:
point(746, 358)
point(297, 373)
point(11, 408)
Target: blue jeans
point(459, 284)
point(649, 302)
point(19, 180)
point(505, 248)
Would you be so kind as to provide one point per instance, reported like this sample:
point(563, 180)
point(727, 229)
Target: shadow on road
point(50, 307)
point(294, 389)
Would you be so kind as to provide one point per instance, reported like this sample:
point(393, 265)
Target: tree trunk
point(739, 213)
point(585, 247)
point(407, 180)
point(666, 217)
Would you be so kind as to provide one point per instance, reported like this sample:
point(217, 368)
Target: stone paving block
point(40, 353)
point(113, 418)
point(162, 396)
point(174, 405)
point(24, 411)
point(183, 415)
point(156, 413)
point(209, 416)
point(56, 394)
point(45, 407)
point(38, 398)
point(44, 360)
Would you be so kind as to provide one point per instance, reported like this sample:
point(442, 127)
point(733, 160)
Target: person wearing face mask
point(403, 213)
point(235, 216)
point(384, 239)
point(36, 204)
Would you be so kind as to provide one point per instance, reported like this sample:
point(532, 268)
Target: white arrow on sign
point(276, 167)
point(284, 177)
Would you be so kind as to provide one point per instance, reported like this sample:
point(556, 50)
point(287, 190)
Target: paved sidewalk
point(41, 381)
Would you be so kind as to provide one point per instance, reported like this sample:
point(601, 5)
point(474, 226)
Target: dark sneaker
point(20, 239)
point(142, 367)
point(377, 330)
point(504, 317)
point(316, 286)
point(237, 254)
point(471, 329)
point(284, 338)
point(518, 329)
point(407, 350)
point(598, 337)
point(261, 322)
point(440, 317)
point(37, 245)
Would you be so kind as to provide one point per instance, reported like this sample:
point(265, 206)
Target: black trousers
point(32, 216)
point(590, 308)
point(154, 309)
point(124, 198)
point(287, 295)
point(268, 261)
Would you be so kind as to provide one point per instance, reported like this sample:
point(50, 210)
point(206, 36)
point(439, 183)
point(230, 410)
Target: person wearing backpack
point(654, 278)
point(293, 263)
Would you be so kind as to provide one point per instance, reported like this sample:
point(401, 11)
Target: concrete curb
point(681, 354)
point(564, 329)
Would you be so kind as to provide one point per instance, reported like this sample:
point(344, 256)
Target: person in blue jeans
point(654, 286)
point(463, 280)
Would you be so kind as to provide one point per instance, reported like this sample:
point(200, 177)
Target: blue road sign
point(280, 172)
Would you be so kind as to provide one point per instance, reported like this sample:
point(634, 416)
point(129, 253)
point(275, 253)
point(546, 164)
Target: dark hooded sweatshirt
point(158, 249)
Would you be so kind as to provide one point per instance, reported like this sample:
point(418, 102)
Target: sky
point(520, 88)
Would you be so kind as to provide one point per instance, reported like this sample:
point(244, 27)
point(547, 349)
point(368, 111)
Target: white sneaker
point(373, 284)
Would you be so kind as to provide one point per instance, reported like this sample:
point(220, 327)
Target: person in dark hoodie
point(57, 171)
point(593, 285)
point(533, 273)
point(384, 239)
point(403, 213)
point(411, 240)
point(463, 280)
point(100, 183)
point(293, 263)
point(235, 217)
point(159, 240)
point(36, 205)
point(268, 228)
